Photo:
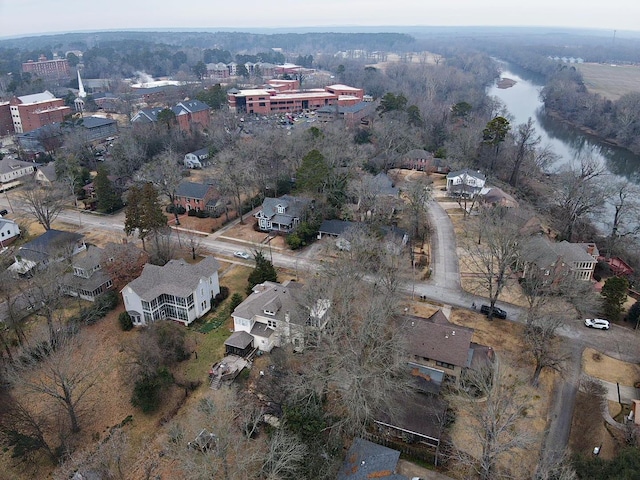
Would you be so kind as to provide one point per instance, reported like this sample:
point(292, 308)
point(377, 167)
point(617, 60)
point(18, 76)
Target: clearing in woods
point(610, 81)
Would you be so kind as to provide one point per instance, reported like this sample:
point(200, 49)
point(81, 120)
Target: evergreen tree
point(313, 172)
point(108, 199)
point(264, 272)
point(143, 212)
point(634, 313)
point(614, 292)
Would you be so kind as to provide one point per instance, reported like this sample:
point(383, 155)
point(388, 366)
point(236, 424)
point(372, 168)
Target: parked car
point(243, 255)
point(3, 212)
point(497, 312)
point(599, 323)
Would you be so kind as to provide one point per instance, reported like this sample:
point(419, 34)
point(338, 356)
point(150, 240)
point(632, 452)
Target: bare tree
point(284, 457)
point(495, 252)
point(165, 173)
point(496, 433)
point(358, 358)
point(579, 193)
point(559, 468)
point(417, 195)
point(526, 142)
point(43, 203)
point(235, 178)
point(65, 374)
point(626, 211)
point(540, 337)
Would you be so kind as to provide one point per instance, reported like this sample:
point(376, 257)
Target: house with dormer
point(272, 316)
point(87, 280)
point(465, 183)
point(281, 214)
point(12, 171)
point(177, 291)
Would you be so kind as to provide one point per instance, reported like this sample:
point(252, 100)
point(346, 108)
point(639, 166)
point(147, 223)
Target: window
point(446, 365)
point(272, 323)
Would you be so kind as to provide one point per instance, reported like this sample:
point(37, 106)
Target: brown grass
point(610, 81)
point(601, 366)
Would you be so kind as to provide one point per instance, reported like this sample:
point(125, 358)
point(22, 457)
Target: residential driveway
point(446, 272)
point(411, 470)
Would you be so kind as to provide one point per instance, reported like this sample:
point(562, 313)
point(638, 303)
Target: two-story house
point(465, 183)
point(197, 196)
point(196, 159)
point(556, 260)
point(440, 350)
point(272, 315)
point(177, 291)
point(9, 231)
point(12, 170)
point(281, 214)
point(88, 280)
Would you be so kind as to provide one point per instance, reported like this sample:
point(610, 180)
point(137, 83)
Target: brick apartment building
point(50, 69)
point(33, 111)
point(281, 97)
point(189, 114)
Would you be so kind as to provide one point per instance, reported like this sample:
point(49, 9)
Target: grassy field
point(610, 81)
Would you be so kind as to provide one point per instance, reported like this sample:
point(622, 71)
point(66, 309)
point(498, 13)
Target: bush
point(220, 297)
point(126, 323)
point(179, 209)
point(191, 213)
point(146, 392)
point(101, 306)
point(236, 299)
point(202, 214)
point(294, 241)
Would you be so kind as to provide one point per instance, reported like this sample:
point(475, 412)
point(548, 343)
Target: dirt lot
point(610, 81)
point(247, 235)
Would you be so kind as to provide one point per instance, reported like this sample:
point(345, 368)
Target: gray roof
point(192, 190)
point(97, 279)
point(294, 206)
point(468, 172)
point(90, 258)
point(49, 171)
point(345, 109)
point(95, 122)
point(239, 340)
point(9, 164)
point(176, 278)
point(189, 106)
point(417, 154)
point(366, 460)
point(280, 297)
point(335, 227)
point(385, 185)
point(41, 247)
point(544, 253)
point(202, 153)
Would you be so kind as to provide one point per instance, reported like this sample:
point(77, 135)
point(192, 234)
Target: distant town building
point(49, 69)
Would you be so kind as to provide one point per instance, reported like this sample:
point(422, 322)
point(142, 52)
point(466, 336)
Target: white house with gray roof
point(177, 291)
point(11, 170)
point(281, 214)
point(9, 231)
point(465, 183)
point(272, 315)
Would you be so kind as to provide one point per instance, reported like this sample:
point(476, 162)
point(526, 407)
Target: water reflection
point(523, 101)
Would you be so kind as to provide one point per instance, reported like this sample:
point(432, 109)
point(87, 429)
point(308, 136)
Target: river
point(523, 101)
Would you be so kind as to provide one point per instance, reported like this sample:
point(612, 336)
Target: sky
point(29, 17)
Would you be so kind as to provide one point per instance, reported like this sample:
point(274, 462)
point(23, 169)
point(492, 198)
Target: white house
point(465, 183)
point(11, 170)
point(273, 317)
point(9, 231)
point(196, 159)
point(177, 291)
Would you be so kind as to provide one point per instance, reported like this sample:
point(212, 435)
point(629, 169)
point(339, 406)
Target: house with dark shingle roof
point(281, 214)
point(189, 114)
point(559, 259)
point(51, 246)
point(99, 128)
point(439, 349)
point(177, 291)
point(196, 159)
point(88, 280)
point(197, 196)
point(366, 460)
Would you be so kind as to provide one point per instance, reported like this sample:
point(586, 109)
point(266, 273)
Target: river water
point(523, 101)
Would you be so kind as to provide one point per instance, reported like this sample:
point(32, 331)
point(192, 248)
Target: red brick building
point(270, 100)
point(52, 69)
point(34, 111)
point(189, 114)
point(197, 196)
point(6, 122)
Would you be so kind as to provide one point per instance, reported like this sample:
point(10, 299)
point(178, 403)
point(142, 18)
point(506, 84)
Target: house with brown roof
point(440, 350)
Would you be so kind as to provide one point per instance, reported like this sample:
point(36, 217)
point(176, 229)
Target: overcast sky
point(25, 17)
